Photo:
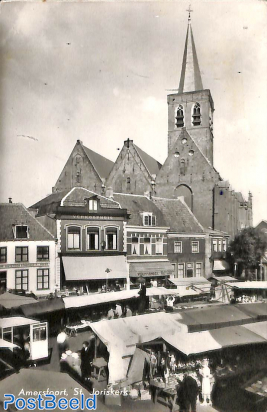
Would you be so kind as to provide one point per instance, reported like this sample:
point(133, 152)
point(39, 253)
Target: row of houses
point(77, 239)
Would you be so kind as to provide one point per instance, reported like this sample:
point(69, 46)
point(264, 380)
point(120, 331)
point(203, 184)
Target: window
point(42, 252)
point(196, 115)
point(195, 247)
point(189, 270)
point(39, 332)
point(22, 232)
point(42, 279)
point(214, 245)
point(179, 117)
point(135, 246)
point(149, 219)
point(219, 245)
point(21, 254)
point(159, 246)
point(180, 270)
point(21, 279)
point(224, 245)
point(178, 247)
point(128, 184)
point(92, 238)
point(3, 254)
point(74, 237)
point(111, 239)
point(198, 269)
point(92, 204)
point(147, 246)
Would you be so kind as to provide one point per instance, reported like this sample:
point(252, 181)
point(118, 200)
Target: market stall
point(28, 334)
point(250, 291)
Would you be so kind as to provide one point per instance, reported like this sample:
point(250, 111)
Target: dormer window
point(149, 219)
point(196, 115)
point(21, 232)
point(92, 204)
point(179, 119)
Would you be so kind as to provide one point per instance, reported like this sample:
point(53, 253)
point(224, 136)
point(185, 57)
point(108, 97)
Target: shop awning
point(95, 267)
point(151, 269)
point(220, 265)
point(10, 300)
point(250, 285)
point(43, 306)
point(16, 321)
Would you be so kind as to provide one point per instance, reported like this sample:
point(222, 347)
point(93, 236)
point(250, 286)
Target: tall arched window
point(196, 115)
point(128, 184)
point(179, 116)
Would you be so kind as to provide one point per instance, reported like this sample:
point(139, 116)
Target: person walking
point(62, 342)
point(86, 359)
point(190, 392)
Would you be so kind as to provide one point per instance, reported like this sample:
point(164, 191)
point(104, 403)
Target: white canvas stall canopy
point(212, 340)
point(5, 344)
point(38, 334)
point(93, 268)
point(122, 335)
point(253, 285)
point(220, 265)
point(101, 298)
point(191, 286)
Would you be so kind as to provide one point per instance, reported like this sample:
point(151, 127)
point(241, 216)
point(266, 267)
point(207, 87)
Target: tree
point(247, 250)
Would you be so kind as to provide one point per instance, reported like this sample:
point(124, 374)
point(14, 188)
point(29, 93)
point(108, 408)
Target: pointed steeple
point(190, 80)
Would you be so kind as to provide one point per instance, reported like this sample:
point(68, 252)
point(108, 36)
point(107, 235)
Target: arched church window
point(179, 116)
point(196, 115)
point(182, 167)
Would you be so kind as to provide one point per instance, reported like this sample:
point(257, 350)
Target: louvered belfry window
point(196, 115)
point(179, 116)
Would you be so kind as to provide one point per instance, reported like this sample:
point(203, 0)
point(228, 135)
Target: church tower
point(192, 107)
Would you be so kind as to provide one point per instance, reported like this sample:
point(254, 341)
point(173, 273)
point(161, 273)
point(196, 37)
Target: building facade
point(28, 252)
point(91, 239)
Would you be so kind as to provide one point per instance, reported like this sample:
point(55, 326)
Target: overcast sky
point(101, 72)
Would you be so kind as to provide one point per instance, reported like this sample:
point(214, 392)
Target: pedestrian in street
point(62, 342)
point(190, 392)
point(169, 303)
point(118, 311)
point(86, 359)
point(111, 313)
point(128, 312)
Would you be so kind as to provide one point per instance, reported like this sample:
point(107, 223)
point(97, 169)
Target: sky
point(101, 72)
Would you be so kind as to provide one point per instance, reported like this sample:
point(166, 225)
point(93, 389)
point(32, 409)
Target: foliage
point(247, 249)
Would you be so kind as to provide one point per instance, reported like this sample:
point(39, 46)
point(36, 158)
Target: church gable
point(186, 164)
point(79, 171)
point(129, 173)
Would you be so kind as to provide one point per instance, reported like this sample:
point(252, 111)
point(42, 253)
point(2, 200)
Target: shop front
point(158, 272)
point(95, 273)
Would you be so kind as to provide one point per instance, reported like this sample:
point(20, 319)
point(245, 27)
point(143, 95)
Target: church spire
point(190, 80)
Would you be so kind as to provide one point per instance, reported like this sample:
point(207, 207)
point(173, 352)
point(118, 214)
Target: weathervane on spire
point(189, 11)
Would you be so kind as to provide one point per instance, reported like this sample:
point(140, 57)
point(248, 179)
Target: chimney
point(109, 192)
point(10, 200)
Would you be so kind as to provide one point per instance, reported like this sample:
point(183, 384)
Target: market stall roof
point(30, 380)
point(206, 341)
point(220, 265)
point(5, 344)
point(16, 321)
point(190, 281)
point(95, 267)
point(162, 291)
point(151, 269)
point(250, 285)
point(223, 279)
point(98, 298)
point(258, 311)
point(10, 300)
point(260, 328)
point(212, 317)
point(43, 306)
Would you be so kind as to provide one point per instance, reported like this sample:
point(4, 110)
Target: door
point(189, 270)
point(2, 282)
point(39, 341)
